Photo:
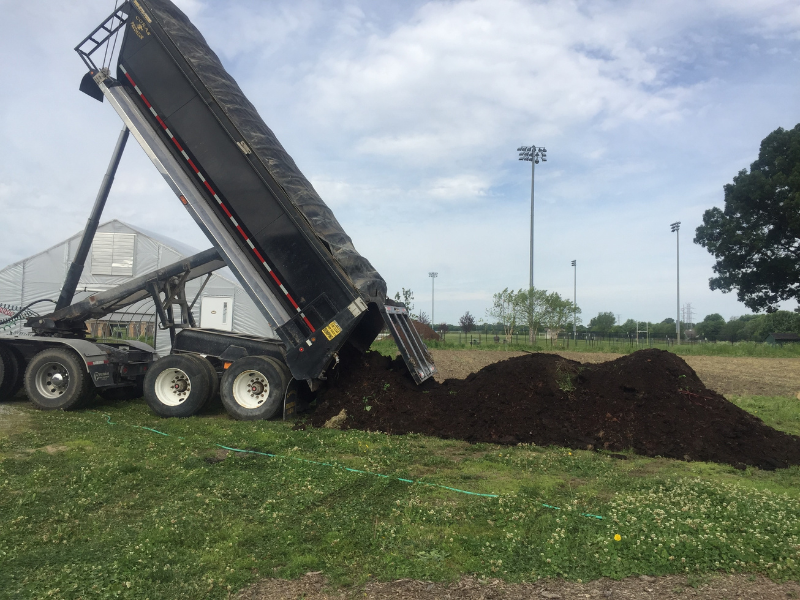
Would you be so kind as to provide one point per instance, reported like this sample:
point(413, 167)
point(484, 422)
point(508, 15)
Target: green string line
point(335, 466)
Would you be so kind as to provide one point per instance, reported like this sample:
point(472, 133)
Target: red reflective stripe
point(224, 208)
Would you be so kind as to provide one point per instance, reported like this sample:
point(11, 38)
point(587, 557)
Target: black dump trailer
point(263, 217)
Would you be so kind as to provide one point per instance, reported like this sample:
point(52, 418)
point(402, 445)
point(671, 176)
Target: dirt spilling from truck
point(650, 401)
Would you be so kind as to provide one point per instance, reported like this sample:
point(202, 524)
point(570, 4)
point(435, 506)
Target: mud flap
point(412, 348)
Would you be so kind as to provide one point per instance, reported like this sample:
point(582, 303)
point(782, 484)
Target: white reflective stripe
point(169, 133)
point(138, 91)
point(200, 175)
point(186, 156)
point(124, 70)
point(217, 199)
point(284, 290)
point(234, 222)
point(153, 110)
point(308, 342)
point(266, 266)
point(249, 243)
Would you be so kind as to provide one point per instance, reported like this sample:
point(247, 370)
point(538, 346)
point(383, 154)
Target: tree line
point(714, 327)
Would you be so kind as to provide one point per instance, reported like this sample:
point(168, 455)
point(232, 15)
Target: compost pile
point(650, 401)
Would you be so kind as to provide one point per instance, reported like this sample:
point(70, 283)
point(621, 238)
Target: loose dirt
point(650, 401)
point(730, 376)
point(314, 587)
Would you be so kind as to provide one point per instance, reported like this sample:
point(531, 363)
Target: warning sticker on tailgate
point(332, 330)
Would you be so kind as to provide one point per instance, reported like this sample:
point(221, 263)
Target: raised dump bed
point(226, 166)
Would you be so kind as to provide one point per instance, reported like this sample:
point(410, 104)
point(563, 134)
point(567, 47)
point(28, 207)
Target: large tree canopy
point(756, 238)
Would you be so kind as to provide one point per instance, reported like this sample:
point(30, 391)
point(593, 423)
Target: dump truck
point(265, 222)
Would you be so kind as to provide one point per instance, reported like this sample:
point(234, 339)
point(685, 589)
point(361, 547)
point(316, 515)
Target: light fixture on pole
point(676, 228)
point(574, 299)
point(533, 155)
point(433, 277)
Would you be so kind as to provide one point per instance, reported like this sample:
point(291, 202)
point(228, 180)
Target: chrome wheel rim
point(250, 389)
point(173, 387)
point(52, 380)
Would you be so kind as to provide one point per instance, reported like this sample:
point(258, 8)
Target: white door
point(217, 313)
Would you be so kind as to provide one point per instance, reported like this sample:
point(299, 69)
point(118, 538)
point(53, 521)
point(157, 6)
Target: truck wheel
point(176, 385)
point(252, 388)
point(56, 378)
point(10, 376)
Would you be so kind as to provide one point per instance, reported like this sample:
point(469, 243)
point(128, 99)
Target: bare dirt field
point(730, 376)
point(313, 587)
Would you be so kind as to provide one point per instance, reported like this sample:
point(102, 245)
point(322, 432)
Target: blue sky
point(406, 117)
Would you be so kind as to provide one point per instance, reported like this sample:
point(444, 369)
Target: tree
point(781, 321)
point(756, 238)
point(531, 307)
point(505, 309)
point(739, 328)
point(603, 322)
point(423, 318)
point(711, 327)
point(408, 296)
point(629, 327)
point(558, 312)
point(467, 322)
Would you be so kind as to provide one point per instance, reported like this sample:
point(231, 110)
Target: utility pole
point(433, 277)
point(574, 299)
point(676, 228)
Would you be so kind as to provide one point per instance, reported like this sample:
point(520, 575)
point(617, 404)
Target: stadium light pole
point(532, 154)
point(676, 228)
point(574, 299)
point(433, 277)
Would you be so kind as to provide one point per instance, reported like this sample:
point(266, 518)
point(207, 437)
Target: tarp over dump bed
point(226, 92)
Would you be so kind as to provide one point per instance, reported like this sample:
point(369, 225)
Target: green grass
point(779, 412)
point(753, 349)
point(115, 510)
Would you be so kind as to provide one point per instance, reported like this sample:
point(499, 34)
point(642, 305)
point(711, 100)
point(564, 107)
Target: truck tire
point(21, 364)
point(177, 385)
point(10, 375)
point(213, 378)
point(56, 378)
point(252, 388)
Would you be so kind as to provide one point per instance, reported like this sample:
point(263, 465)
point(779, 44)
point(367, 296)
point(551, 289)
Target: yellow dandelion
point(617, 537)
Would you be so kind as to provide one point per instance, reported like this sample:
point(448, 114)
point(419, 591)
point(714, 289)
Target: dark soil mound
point(425, 331)
point(651, 401)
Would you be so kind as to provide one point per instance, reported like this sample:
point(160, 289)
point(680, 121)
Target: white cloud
point(406, 117)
